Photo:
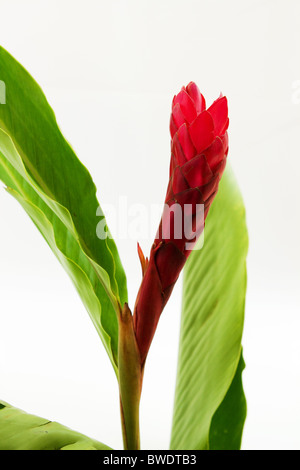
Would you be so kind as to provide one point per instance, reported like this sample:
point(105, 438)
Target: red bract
point(199, 148)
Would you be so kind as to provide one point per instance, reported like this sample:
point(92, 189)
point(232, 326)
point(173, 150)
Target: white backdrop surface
point(110, 70)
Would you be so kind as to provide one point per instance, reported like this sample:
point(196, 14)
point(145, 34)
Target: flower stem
point(130, 381)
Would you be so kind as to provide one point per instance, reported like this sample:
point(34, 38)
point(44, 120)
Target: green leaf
point(23, 431)
point(211, 326)
point(228, 421)
point(43, 173)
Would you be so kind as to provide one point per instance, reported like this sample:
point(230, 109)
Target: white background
point(110, 70)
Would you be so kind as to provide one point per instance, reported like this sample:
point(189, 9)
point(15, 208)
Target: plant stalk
point(130, 381)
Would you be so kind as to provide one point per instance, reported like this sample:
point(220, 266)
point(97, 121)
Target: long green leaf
point(212, 324)
point(23, 431)
point(42, 172)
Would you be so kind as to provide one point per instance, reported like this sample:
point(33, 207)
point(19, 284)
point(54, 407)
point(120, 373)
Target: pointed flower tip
point(144, 261)
point(191, 84)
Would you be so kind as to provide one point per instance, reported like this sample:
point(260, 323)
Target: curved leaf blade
point(228, 421)
point(65, 246)
point(23, 431)
point(40, 167)
point(212, 319)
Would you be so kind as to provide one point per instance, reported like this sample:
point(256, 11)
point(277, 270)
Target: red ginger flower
point(199, 148)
